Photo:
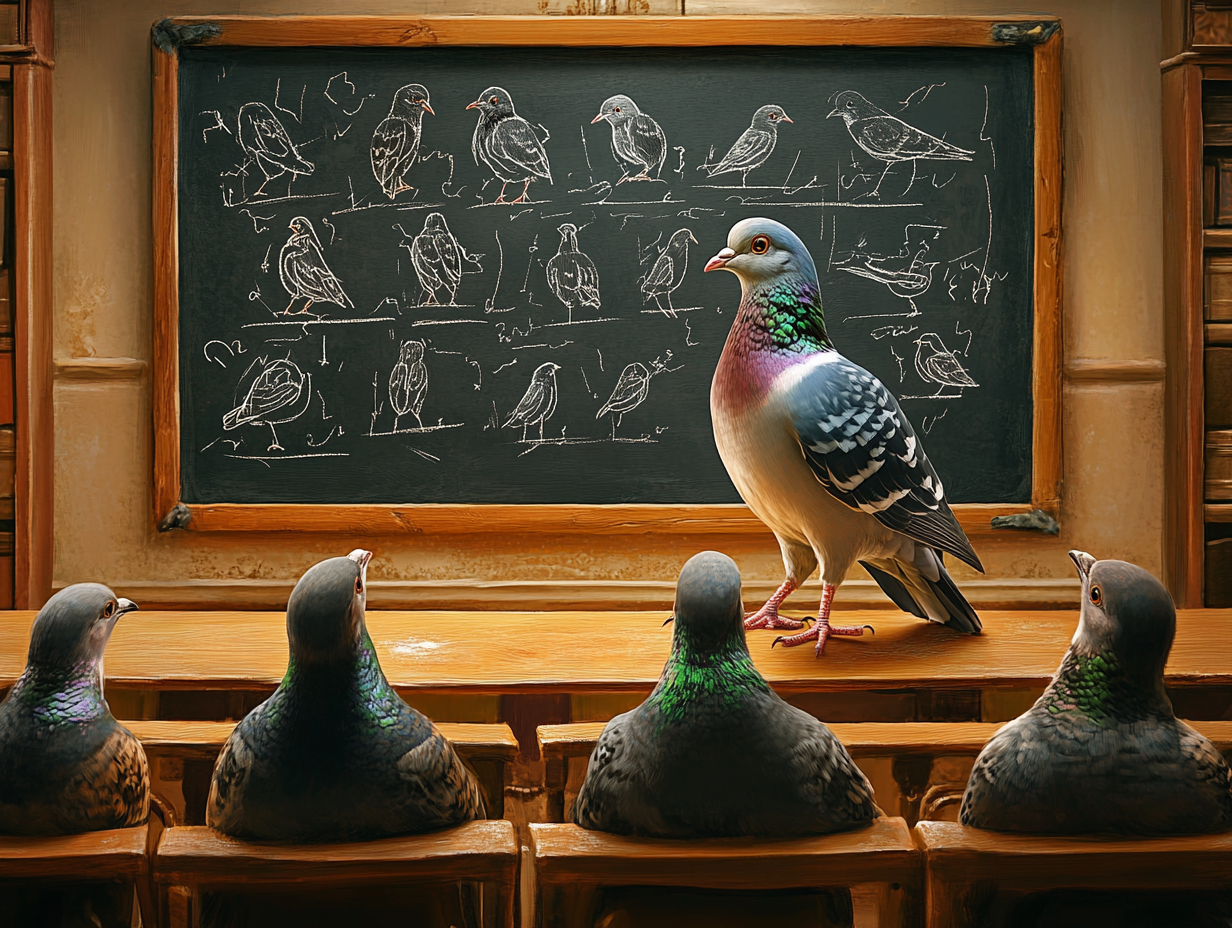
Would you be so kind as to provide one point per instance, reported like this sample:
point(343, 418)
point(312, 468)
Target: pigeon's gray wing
point(614, 796)
point(394, 146)
point(659, 280)
point(111, 788)
point(833, 788)
point(516, 147)
point(860, 445)
point(891, 139)
point(225, 809)
point(649, 140)
point(750, 150)
point(440, 790)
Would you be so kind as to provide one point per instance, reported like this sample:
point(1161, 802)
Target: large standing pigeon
point(266, 143)
point(507, 143)
point(408, 382)
point(638, 142)
point(667, 273)
point(713, 751)
point(1101, 750)
point(303, 270)
point(756, 143)
point(395, 143)
point(888, 138)
point(937, 364)
point(538, 402)
point(572, 276)
point(335, 754)
point(438, 258)
point(66, 764)
point(273, 393)
point(820, 449)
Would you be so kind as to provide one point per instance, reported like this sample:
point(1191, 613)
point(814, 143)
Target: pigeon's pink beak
point(361, 557)
point(596, 119)
point(786, 118)
point(429, 109)
point(720, 260)
point(471, 106)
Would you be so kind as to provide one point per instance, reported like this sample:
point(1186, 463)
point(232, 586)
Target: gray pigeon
point(66, 764)
point(887, 138)
point(638, 142)
point(667, 273)
point(713, 751)
point(395, 143)
point(335, 754)
point(1101, 751)
point(755, 145)
point(507, 143)
point(572, 276)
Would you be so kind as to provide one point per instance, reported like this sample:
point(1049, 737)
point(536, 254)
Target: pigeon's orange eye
point(760, 245)
point(109, 610)
point(359, 586)
point(774, 115)
point(615, 109)
point(494, 101)
point(1097, 595)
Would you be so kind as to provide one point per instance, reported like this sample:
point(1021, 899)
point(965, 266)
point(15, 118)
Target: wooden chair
point(966, 867)
point(879, 864)
point(194, 858)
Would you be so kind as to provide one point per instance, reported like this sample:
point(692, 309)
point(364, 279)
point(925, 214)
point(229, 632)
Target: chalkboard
point(360, 325)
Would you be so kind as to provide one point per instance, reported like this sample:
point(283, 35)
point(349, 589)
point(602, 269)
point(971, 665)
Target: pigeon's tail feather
point(925, 589)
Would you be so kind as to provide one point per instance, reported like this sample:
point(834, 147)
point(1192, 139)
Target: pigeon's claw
point(821, 631)
point(768, 617)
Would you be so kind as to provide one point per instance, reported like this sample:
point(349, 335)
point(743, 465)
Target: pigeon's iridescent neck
point(692, 676)
point(1094, 685)
point(58, 697)
point(356, 685)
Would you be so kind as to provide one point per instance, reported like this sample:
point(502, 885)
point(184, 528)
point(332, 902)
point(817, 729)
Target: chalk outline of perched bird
point(908, 282)
point(714, 751)
point(941, 367)
point(1102, 751)
point(58, 738)
point(821, 451)
point(265, 141)
point(408, 381)
point(507, 143)
point(395, 142)
point(637, 139)
point(755, 145)
point(344, 702)
point(888, 138)
point(279, 385)
point(571, 272)
point(438, 257)
point(662, 274)
point(303, 271)
point(631, 390)
point(538, 403)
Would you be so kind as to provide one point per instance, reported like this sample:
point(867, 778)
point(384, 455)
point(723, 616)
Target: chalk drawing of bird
point(303, 270)
point(572, 276)
point(638, 142)
point(907, 275)
point(539, 401)
point(937, 364)
point(631, 391)
point(507, 143)
point(273, 393)
point(755, 145)
point(667, 273)
point(265, 142)
point(438, 260)
point(408, 382)
point(395, 143)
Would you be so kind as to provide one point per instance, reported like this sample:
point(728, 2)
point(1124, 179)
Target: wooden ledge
point(117, 854)
point(481, 851)
point(961, 855)
point(882, 852)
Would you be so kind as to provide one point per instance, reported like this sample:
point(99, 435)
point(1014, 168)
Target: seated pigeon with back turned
point(335, 754)
point(1101, 751)
point(821, 451)
point(713, 751)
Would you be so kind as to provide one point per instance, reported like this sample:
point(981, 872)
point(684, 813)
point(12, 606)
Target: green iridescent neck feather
point(791, 315)
point(720, 674)
point(1095, 686)
point(61, 697)
point(359, 675)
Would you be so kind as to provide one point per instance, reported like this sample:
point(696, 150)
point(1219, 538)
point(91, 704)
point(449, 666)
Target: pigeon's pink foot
point(768, 617)
point(820, 632)
point(521, 199)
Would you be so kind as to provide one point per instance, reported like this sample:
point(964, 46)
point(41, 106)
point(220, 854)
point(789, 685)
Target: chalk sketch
point(507, 144)
point(408, 382)
point(907, 274)
point(303, 270)
point(572, 276)
point(395, 143)
point(755, 145)
point(439, 261)
point(667, 273)
point(538, 403)
point(638, 142)
point(937, 364)
point(631, 390)
point(266, 143)
point(273, 393)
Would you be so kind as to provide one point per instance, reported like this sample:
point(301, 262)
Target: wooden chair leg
point(179, 911)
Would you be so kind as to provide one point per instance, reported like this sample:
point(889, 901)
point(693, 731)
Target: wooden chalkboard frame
point(1042, 34)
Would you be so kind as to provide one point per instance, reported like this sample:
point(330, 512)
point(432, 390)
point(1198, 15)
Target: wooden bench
point(182, 756)
point(193, 859)
point(116, 856)
point(919, 769)
point(879, 864)
point(964, 867)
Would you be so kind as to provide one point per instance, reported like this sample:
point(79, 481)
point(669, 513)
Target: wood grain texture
point(1090, 370)
point(196, 855)
point(882, 852)
point(609, 652)
point(100, 368)
point(1219, 333)
point(117, 854)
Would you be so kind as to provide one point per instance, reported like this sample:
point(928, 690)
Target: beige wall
point(103, 309)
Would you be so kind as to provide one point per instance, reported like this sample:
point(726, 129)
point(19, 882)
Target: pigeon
point(638, 142)
point(887, 138)
point(437, 258)
point(538, 402)
point(395, 143)
point(66, 765)
point(265, 142)
point(820, 450)
point(571, 274)
point(507, 143)
point(335, 754)
point(713, 751)
point(408, 382)
point(303, 270)
point(630, 391)
point(667, 273)
point(937, 364)
point(754, 146)
point(274, 393)
point(1101, 750)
